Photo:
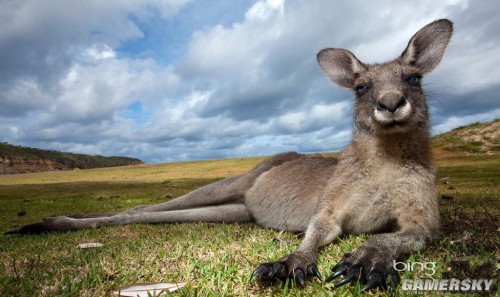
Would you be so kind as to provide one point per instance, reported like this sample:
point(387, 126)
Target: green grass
point(217, 259)
point(476, 138)
point(471, 125)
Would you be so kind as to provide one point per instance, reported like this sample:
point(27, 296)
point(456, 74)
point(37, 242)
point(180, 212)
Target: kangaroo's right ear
point(340, 65)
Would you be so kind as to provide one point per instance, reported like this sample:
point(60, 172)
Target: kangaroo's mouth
point(391, 124)
point(395, 123)
point(389, 120)
point(393, 119)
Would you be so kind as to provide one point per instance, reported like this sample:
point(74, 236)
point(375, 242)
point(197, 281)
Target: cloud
point(40, 41)
point(316, 118)
point(99, 77)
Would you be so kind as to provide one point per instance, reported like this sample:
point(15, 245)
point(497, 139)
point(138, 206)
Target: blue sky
point(166, 40)
point(174, 80)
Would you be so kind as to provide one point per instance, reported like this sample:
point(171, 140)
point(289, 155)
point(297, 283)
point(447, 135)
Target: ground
point(217, 259)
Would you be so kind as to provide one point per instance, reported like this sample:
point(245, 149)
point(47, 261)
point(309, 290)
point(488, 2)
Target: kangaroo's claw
point(268, 273)
point(355, 268)
point(353, 275)
point(312, 270)
point(298, 276)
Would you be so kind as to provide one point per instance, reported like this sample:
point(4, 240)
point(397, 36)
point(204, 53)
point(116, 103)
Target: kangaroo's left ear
point(427, 46)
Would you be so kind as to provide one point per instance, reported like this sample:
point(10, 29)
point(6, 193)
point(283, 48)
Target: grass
point(476, 138)
point(217, 259)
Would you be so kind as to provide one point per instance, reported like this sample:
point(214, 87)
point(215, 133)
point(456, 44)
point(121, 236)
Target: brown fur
point(384, 181)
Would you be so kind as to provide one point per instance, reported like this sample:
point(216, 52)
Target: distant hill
point(18, 159)
point(476, 138)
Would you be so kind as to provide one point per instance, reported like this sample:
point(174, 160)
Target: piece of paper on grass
point(148, 289)
point(89, 245)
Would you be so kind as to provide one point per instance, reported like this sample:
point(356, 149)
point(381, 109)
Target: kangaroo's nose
point(391, 104)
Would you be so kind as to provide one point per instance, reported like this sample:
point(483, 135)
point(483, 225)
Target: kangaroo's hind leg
point(225, 191)
point(199, 204)
point(228, 213)
point(229, 190)
point(216, 202)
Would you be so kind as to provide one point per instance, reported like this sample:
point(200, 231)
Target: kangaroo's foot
point(35, 228)
point(295, 266)
point(368, 267)
point(47, 225)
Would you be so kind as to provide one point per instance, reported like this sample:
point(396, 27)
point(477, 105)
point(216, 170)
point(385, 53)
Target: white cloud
point(263, 10)
point(100, 51)
point(21, 97)
point(318, 117)
point(249, 88)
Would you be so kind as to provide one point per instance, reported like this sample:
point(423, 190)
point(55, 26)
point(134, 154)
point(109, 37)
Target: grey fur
point(384, 180)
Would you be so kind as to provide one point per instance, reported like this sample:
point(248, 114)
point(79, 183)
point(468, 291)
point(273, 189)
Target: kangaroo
point(383, 182)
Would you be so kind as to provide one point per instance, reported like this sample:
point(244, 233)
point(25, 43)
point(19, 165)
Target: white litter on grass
point(89, 245)
point(148, 289)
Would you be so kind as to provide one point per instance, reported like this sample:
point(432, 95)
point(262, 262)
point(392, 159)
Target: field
point(216, 259)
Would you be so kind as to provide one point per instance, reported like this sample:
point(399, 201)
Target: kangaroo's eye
point(361, 89)
point(414, 80)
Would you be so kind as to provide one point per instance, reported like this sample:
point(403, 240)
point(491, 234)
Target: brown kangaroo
point(384, 181)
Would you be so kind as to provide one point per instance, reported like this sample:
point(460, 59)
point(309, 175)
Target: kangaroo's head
point(389, 96)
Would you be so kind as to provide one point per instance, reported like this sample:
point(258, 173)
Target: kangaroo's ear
point(340, 65)
point(427, 46)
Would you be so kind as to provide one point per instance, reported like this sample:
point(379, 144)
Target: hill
point(476, 138)
point(18, 159)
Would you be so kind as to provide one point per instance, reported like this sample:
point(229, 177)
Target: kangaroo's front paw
point(367, 265)
point(293, 266)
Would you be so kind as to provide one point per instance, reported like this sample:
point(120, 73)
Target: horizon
point(236, 157)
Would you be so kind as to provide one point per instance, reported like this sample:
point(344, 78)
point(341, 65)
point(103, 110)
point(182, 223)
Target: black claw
point(270, 272)
point(279, 270)
point(393, 280)
point(298, 276)
point(375, 279)
point(352, 271)
point(341, 263)
point(351, 276)
point(259, 272)
point(312, 270)
point(253, 273)
point(342, 271)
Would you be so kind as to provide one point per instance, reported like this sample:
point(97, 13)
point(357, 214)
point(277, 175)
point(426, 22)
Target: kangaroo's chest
point(370, 199)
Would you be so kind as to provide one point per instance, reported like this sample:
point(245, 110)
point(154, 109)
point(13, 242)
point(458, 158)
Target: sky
point(176, 80)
